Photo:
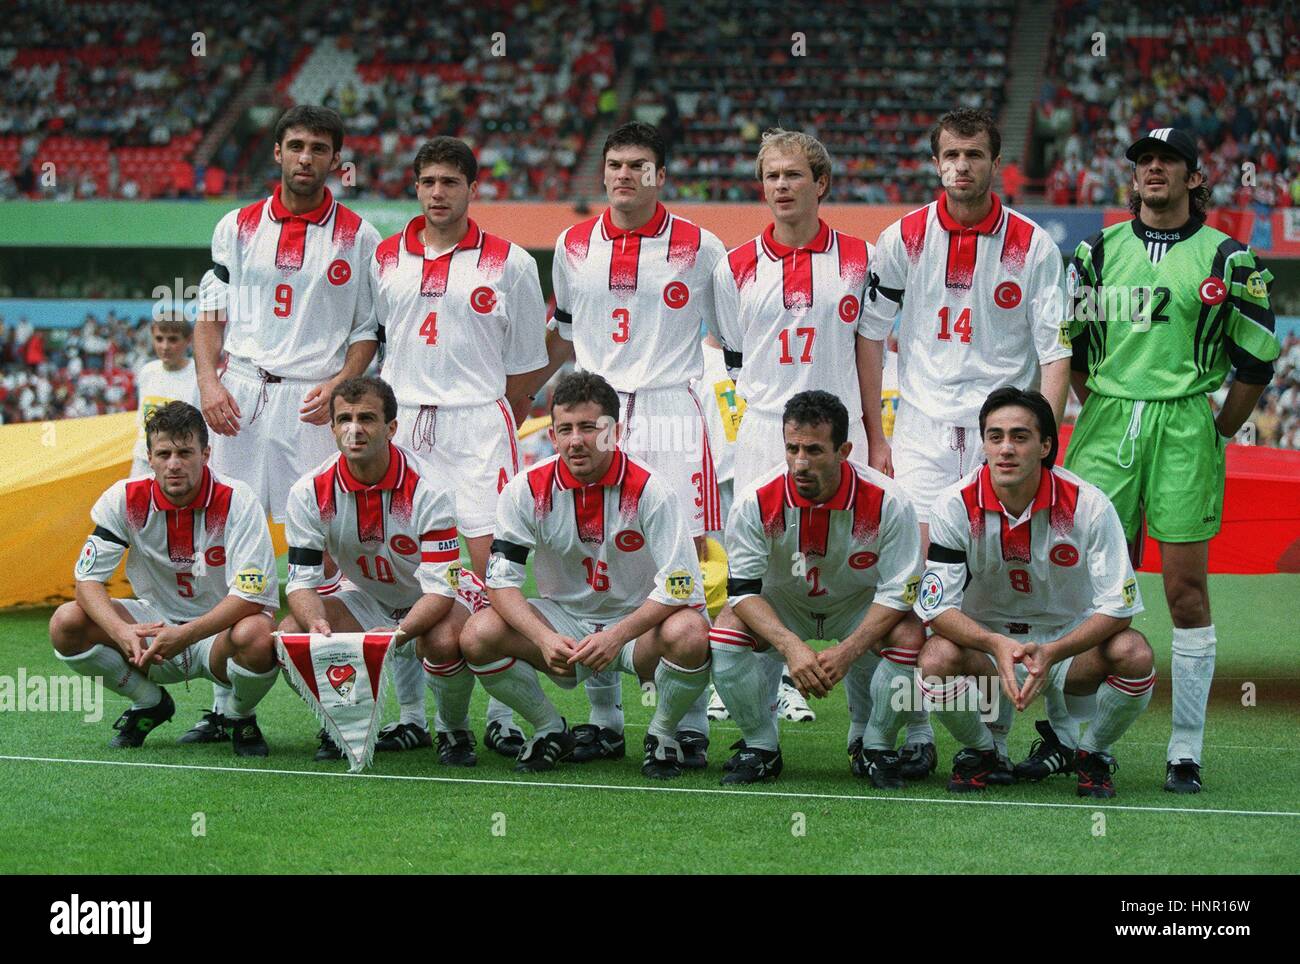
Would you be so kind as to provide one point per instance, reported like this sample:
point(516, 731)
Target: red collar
point(472, 239)
point(650, 229)
point(206, 487)
point(949, 223)
point(613, 475)
point(1044, 498)
point(392, 478)
point(842, 499)
point(315, 216)
point(820, 243)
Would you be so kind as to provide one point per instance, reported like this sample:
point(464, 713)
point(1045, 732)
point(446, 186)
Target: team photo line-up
point(949, 569)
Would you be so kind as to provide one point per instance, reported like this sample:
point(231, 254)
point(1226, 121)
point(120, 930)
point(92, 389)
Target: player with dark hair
point(1027, 581)
point(856, 551)
point(618, 584)
point(1164, 305)
point(465, 327)
point(289, 299)
point(199, 559)
point(632, 287)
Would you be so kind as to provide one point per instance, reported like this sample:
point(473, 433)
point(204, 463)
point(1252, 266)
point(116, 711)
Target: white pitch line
point(525, 782)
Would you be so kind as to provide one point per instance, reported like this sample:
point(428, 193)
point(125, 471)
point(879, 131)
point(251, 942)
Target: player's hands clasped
point(557, 650)
point(810, 677)
point(1007, 653)
point(131, 640)
point(835, 662)
point(1038, 660)
point(219, 408)
point(167, 642)
point(597, 651)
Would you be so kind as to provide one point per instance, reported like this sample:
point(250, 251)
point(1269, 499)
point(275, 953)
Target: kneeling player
point(200, 562)
point(393, 532)
point(819, 548)
point(618, 580)
point(1029, 581)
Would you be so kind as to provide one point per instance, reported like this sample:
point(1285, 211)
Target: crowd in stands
point(1228, 71)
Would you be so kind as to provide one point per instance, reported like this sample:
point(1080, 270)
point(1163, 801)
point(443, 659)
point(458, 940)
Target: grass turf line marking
point(524, 782)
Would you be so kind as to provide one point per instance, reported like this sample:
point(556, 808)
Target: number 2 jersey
point(183, 560)
point(1062, 561)
point(603, 548)
point(982, 306)
point(788, 318)
point(395, 539)
point(861, 546)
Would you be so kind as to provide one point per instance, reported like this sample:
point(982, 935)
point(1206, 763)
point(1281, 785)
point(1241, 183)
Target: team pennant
point(342, 679)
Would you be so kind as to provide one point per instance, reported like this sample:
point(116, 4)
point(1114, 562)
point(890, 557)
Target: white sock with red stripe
point(247, 688)
point(891, 692)
point(1120, 701)
point(749, 684)
point(676, 688)
point(407, 673)
point(605, 693)
point(452, 685)
point(119, 677)
point(955, 702)
point(515, 683)
point(857, 688)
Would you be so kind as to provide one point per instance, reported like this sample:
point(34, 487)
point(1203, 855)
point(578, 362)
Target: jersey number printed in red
point(961, 328)
point(809, 335)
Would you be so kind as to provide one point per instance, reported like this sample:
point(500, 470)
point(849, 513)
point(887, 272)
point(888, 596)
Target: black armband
point(744, 587)
point(222, 272)
point(108, 535)
point(562, 317)
point(306, 557)
point(938, 553)
point(510, 550)
point(732, 359)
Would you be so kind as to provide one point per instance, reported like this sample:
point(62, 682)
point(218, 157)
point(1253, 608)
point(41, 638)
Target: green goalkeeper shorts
point(1161, 458)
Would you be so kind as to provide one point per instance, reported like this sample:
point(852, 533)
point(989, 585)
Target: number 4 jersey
point(982, 306)
point(183, 560)
point(395, 539)
point(1062, 561)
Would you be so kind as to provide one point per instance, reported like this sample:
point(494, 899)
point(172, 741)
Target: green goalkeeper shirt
point(1161, 314)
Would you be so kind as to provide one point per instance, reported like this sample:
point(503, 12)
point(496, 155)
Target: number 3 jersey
point(395, 539)
point(456, 325)
point(982, 306)
point(603, 548)
point(788, 318)
point(1062, 561)
point(183, 560)
point(861, 546)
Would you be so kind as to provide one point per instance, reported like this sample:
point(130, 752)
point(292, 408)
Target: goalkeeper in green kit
point(1163, 306)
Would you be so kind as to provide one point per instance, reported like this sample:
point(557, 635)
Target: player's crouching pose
point(618, 580)
point(393, 532)
point(819, 548)
point(200, 562)
point(1029, 580)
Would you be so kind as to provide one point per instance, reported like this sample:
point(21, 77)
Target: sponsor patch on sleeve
point(931, 590)
point(679, 584)
point(251, 581)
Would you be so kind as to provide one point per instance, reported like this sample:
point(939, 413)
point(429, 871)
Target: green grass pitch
point(72, 805)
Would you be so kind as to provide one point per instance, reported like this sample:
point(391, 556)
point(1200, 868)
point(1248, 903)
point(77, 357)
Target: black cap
point(1171, 139)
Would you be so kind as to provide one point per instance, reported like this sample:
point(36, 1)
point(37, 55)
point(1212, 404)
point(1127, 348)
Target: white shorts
point(473, 448)
point(1023, 632)
point(578, 627)
point(760, 445)
point(193, 663)
point(665, 428)
point(807, 622)
point(370, 613)
point(274, 447)
point(929, 456)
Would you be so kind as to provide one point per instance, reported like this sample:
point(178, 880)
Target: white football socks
point(498, 712)
point(696, 717)
point(1120, 701)
point(247, 688)
point(676, 688)
point(749, 684)
point(407, 672)
point(221, 696)
point(120, 677)
point(452, 685)
point(951, 702)
point(1192, 670)
point(515, 683)
point(895, 674)
point(605, 692)
point(857, 688)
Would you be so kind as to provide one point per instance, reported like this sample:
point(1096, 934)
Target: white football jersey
point(456, 325)
point(723, 409)
point(296, 289)
point(861, 546)
point(183, 560)
point(794, 314)
point(395, 539)
point(633, 302)
point(155, 387)
point(602, 549)
point(1062, 561)
point(982, 307)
